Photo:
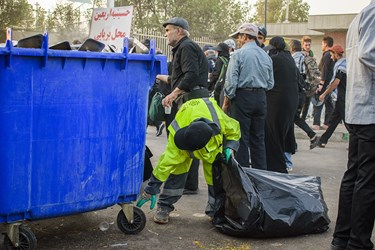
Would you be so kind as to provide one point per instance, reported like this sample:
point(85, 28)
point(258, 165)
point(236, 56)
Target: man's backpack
point(312, 76)
point(220, 81)
point(223, 70)
point(156, 110)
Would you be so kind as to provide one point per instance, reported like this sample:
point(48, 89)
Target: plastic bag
point(147, 167)
point(156, 111)
point(257, 203)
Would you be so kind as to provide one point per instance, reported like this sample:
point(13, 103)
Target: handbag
point(156, 111)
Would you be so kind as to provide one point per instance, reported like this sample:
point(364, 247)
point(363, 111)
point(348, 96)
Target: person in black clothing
point(304, 70)
point(282, 101)
point(189, 65)
point(326, 68)
point(188, 80)
point(338, 82)
point(220, 70)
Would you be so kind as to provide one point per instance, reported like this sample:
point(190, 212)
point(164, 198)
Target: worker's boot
point(161, 216)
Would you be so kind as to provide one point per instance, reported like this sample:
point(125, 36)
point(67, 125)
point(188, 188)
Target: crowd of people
point(242, 99)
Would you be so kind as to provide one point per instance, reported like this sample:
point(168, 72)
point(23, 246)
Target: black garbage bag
point(257, 204)
point(147, 167)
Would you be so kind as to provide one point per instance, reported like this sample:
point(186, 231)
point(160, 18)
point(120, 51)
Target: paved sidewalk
point(340, 134)
point(189, 228)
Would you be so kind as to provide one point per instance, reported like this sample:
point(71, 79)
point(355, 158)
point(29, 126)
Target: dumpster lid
point(92, 45)
point(31, 42)
point(65, 45)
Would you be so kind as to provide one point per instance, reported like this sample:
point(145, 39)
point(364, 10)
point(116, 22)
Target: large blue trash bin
point(72, 129)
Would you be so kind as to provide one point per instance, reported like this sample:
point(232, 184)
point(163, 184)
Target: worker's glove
point(145, 197)
point(228, 153)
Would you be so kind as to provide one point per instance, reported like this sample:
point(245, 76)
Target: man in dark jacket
point(189, 64)
point(326, 68)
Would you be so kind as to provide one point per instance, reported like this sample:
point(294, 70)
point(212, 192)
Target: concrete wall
point(324, 23)
point(317, 27)
point(338, 37)
point(296, 31)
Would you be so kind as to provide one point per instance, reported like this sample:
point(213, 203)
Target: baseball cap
point(207, 47)
point(193, 137)
point(246, 28)
point(337, 48)
point(230, 43)
point(221, 47)
point(210, 54)
point(262, 31)
point(276, 42)
point(178, 21)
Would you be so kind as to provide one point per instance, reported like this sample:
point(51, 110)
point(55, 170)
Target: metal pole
point(265, 14)
point(287, 12)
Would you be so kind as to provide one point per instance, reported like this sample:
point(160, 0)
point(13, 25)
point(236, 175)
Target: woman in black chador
point(282, 103)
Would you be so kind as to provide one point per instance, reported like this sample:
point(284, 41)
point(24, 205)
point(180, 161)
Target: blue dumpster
point(72, 130)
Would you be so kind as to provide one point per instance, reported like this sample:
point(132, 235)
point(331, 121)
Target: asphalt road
point(189, 228)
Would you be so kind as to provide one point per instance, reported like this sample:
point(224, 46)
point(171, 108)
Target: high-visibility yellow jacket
point(176, 161)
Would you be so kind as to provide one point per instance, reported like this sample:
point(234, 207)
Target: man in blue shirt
point(249, 76)
point(355, 215)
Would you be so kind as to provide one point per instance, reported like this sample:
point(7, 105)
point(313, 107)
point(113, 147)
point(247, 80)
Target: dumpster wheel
point(138, 224)
point(27, 240)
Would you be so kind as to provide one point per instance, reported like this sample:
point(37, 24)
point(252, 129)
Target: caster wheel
point(131, 228)
point(27, 240)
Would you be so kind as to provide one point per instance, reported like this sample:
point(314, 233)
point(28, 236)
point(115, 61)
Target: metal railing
point(161, 41)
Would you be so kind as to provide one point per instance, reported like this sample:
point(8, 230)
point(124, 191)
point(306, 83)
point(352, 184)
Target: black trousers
point(299, 120)
point(249, 108)
point(305, 107)
point(317, 112)
point(337, 116)
point(355, 219)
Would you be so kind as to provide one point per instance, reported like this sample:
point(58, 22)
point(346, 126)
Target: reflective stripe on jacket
point(176, 161)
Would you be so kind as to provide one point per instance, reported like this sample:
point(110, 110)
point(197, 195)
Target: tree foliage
point(214, 19)
point(207, 18)
point(65, 17)
point(276, 11)
point(15, 13)
point(40, 18)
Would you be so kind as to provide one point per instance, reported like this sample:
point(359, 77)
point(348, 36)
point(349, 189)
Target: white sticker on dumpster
point(111, 25)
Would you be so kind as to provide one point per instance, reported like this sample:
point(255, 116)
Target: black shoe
point(334, 247)
point(159, 129)
point(338, 244)
point(315, 141)
point(191, 191)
